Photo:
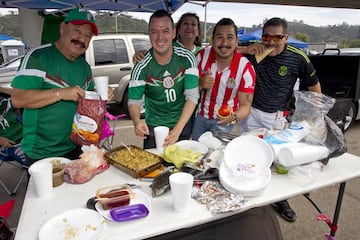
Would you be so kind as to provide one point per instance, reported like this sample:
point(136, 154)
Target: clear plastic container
point(114, 196)
point(58, 174)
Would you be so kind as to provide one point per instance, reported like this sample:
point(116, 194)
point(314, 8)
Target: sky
point(246, 15)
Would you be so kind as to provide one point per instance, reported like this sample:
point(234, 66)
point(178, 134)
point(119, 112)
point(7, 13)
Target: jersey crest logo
point(283, 71)
point(230, 83)
point(168, 82)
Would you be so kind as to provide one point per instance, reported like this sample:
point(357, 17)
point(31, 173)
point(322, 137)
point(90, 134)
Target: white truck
point(111, 55)
point(108, 54)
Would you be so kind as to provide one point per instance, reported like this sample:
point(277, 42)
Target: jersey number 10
point(170, 95)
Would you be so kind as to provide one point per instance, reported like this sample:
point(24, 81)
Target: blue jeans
point(202, 125)
point(13, 153)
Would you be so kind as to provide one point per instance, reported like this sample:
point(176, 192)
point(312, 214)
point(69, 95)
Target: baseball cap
point(79, 16)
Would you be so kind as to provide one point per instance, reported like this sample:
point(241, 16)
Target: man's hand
point(141, 129)
point(207, 81)
point(72, 93)
point(256, 48)
point(138, 56)
point(172, 137)
point(229, 119)
point(5, 142)
point(110, 93)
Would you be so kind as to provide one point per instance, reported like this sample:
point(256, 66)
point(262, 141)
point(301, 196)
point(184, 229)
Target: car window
point(110, 51)
point(121, 51)
point(141, 44)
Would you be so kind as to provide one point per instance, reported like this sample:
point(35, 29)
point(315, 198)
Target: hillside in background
point(343, 34)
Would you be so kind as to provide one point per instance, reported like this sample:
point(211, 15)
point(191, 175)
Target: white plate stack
point(246, 166)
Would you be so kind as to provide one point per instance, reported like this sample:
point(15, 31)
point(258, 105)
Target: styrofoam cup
point(102, 86)
point(160, 133)
point(301, 154)
point(181, 184)
point(41, 173)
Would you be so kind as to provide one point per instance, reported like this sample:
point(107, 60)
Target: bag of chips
point(88, 120)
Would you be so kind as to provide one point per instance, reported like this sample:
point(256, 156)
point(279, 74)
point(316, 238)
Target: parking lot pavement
point(306, 225)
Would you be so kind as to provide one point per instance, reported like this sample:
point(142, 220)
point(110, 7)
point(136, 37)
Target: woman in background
point(188, 32)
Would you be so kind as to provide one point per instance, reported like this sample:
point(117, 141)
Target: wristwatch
point(235, 117)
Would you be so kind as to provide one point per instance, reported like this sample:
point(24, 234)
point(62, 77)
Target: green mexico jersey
point(46, 130)
point(164, 85)
point(195, 50)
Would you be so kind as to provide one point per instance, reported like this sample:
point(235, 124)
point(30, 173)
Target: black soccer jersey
point(276, 77)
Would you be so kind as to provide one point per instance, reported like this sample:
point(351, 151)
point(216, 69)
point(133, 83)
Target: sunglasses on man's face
point(268, 37)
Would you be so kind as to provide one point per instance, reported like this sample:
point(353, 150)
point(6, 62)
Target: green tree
point(349, 44)
point(301, 36)
point(10, 25)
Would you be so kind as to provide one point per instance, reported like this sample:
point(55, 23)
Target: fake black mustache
point(78, 43)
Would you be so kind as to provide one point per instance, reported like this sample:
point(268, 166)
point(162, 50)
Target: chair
point(13, 155)
point(108, 132)
point(5, 211)
point(17, 166)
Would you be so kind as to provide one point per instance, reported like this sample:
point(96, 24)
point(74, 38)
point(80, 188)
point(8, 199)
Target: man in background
point(276, 76)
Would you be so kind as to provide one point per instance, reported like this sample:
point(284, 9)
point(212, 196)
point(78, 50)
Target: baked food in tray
point(137, 165)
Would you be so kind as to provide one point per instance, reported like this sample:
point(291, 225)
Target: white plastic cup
point(181, 185)
point(160, 133)
point(41, 173)
point(102, 86)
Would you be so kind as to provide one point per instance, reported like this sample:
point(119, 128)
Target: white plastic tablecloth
point(162, 217)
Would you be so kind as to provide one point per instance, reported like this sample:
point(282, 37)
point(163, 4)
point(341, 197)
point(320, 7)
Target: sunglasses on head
point(276, 38)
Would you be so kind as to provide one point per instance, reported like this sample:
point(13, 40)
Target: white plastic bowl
point(242, 185)
point(248, 156)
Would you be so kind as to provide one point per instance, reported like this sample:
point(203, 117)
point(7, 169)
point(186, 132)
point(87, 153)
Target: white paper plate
point(193, 145)
point(242, 185)
point(50, 159)
point(76, 224)
point(140, 197)
point(248, 156)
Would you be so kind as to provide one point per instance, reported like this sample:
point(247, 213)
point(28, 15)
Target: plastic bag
point(88, 121)
point(335, 140)
point(312, 107)
point(293, 134)
point(91, 163)
point(306, 173)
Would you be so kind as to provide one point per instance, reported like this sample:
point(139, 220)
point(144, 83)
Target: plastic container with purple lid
point(130, 212)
